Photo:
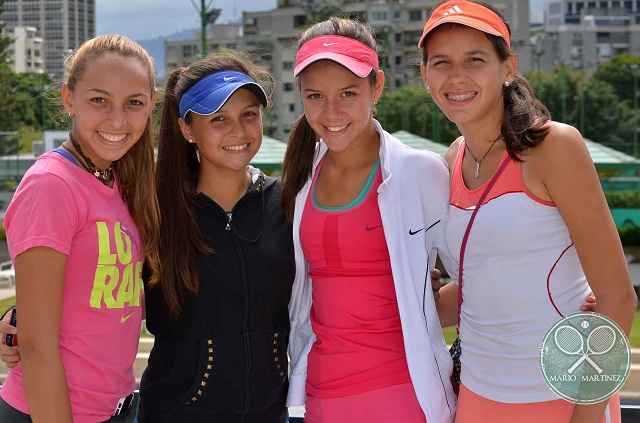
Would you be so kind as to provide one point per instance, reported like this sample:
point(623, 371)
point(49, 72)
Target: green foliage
point(29, 102)
point(612, 126)
point(618, 73)
point(608, 107)
point(630, 236)
point(411, 109)
point(623, 199)
point(4, 41)
point(558, 90)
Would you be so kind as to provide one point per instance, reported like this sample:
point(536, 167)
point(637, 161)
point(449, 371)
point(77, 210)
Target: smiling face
point(111, 102)
point(229, 138)
point(465, 75)
point(339, 105)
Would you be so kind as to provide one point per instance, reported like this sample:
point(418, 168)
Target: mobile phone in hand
point(12, 340)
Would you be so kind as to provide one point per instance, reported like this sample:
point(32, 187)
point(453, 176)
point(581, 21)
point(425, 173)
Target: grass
point(449, 333)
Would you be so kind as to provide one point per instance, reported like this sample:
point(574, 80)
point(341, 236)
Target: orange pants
point(472, 408)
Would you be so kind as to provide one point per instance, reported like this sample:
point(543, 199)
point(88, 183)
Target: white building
point(62, 24)
point(585, 34)
point(26, 51)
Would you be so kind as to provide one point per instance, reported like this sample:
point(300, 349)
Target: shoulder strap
point(493, 180)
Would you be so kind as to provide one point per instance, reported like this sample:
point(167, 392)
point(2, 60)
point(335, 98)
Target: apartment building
point(271, 35)
point(25, 53)
point(178, 53)
point(62, 24)
point(584, 34)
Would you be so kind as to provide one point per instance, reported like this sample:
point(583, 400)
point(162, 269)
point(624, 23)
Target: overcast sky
point(144, 19)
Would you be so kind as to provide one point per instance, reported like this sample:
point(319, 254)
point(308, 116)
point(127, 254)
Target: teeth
point(112, 138)
point(236, 147)
point(460, 97)
point(336, 128)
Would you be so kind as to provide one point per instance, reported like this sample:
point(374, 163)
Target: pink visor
point(352, 54)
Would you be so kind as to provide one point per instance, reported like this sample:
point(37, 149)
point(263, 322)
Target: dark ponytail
point(298, 163)
point(523, 117)
point(180, 241)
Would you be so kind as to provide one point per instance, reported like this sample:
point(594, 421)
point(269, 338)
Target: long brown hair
point(298, 158)
point(180, 242)
point(524, 115)
point(135, 170)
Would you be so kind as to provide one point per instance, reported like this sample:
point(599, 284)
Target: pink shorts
point(472, 408)
point(397, 403)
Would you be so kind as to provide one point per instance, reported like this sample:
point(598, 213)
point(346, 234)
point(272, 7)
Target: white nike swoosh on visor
point(329, 44)
point(229, 78)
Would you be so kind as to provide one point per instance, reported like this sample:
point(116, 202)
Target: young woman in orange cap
point(543, 230)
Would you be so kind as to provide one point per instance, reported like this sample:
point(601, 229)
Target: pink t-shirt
point(63, 207)
point(359, 346)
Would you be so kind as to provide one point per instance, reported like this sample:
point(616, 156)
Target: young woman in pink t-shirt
point(79, 228)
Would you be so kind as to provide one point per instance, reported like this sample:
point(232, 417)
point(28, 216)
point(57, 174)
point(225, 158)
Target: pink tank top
point(359, 345)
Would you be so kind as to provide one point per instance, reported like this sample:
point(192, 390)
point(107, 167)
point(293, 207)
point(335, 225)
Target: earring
point(71, 115)
point(507, 83)
point(428, 89)
point(190, 141)
point(375, 101)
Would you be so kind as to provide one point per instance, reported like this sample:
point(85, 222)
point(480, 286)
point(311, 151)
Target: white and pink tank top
point(515, 242)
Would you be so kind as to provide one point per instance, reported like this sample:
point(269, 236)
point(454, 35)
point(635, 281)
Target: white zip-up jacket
point(413, 199)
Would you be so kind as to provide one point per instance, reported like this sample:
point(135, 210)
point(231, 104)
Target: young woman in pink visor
point(543, 237)
point(365, 342)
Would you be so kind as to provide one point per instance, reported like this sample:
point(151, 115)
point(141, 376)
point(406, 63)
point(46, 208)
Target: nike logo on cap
point(329, 44)
point(124, 318)
point(229, 78)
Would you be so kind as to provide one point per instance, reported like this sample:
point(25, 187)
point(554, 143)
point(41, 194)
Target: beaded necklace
point(105, 176)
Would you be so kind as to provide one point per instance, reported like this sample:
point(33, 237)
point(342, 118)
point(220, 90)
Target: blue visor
point(209, 94)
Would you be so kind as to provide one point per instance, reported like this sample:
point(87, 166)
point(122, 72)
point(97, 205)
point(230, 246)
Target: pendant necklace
point(479, 162)
point(103, 175)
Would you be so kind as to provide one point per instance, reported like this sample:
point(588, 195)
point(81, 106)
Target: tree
point(613, 126)
point(618, 72)
point(411, 109)
point(558, 91)
point(4, 41)
point(8, 99)
point(319, 10)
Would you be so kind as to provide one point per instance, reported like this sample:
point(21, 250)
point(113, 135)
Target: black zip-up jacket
point(225, 358)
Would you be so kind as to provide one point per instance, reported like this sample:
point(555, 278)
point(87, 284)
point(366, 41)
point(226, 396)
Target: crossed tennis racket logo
point(570, 341)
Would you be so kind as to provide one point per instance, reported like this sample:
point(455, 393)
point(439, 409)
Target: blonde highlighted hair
point(135, 170)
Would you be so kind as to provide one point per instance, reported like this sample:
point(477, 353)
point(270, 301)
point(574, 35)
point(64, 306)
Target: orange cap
point(466, 13)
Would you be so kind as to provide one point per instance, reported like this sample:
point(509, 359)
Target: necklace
point(105, 176)
point(479, 162)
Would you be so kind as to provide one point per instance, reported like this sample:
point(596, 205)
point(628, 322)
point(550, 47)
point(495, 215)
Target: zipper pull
point(229, 219)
